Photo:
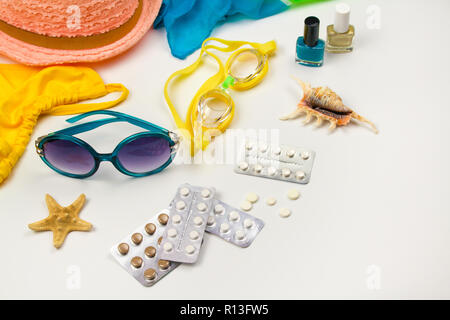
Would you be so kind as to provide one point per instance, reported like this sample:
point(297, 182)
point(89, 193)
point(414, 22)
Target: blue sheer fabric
point(189, 22)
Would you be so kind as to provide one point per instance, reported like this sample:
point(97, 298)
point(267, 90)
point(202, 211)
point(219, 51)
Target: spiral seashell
point(325, 98)
point(325, 104)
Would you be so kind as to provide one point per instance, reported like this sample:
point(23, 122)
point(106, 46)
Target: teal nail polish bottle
point(310, 49)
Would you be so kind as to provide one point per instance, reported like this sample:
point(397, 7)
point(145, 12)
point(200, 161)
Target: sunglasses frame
point(67, 134)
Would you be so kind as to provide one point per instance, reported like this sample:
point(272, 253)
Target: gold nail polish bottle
point(340, 35)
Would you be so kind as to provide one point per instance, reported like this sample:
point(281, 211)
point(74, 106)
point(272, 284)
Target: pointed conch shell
point(324, 104)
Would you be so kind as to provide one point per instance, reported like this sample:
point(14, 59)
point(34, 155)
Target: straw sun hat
point(36, 32)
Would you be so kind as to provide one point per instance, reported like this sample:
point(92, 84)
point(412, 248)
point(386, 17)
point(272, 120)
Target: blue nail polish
point(310, 49)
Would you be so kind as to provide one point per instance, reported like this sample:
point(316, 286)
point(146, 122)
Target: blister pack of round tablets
point(189, 212)
point(284, 163)
point(139, 253)
point(233, 225)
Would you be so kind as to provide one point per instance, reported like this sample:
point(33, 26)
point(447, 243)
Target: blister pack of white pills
point(233, 225)
point(189, 212)
point(280, 162)
point(139, 253)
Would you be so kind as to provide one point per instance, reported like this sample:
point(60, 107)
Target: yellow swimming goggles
point(212, 109)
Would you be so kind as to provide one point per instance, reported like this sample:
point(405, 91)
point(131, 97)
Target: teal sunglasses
point(139, 155)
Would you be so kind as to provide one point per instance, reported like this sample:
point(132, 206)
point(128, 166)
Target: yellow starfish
point(62, 220)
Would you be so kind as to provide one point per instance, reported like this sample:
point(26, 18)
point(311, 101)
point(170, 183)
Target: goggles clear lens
point(214, 107)
point(246, 65)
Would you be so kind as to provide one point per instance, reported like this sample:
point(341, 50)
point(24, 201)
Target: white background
point(373, 223)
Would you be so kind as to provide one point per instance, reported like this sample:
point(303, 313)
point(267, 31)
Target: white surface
point(373, 222)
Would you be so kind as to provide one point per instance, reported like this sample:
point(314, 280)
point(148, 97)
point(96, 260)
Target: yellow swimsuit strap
point(68, 109)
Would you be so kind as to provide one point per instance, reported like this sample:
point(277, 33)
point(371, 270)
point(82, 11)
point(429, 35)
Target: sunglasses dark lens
point(144, 154)
point(69, 157)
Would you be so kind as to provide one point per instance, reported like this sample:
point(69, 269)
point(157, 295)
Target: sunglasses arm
point(118, 117)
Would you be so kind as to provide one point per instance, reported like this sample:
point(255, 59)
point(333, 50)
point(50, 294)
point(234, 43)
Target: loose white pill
point(300, 175)
point(184, 192)
point(211, 221)
point(285, 213)
point(248, 223)
point(271, 201)
point(176, 219)
point(271, 171)
point(189, 249)
point(249, 146)
point(276, 151)
point(234, 216)
point(243, 166)
point(198, 221)
point(180, 205)
point(224, 227)
point(263, 148)
point(172, 233)
point(290, 153)
point(168, 247)
point(202, 207)
point(219, 209)
point(252, 197)
point(246, 205)
point(293, 194)
point(286, 172)
point(305, 155)
point(240, 235)
point(206, 193)
point(194, 235)
point(258, 168)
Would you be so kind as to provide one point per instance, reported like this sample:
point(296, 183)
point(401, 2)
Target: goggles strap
point(267, 48)
point(187, 125)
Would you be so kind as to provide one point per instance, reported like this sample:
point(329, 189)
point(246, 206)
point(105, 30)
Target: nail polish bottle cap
point(311, 32)
point(342, 18)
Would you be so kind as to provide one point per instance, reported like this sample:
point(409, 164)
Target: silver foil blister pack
point(280, 162)
point(140, 252)
point(189, 212)
point(233, 225)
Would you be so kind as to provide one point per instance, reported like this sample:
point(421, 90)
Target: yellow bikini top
point(27, 92)
point(194, 128)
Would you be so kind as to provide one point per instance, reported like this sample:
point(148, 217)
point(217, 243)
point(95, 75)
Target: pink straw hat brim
point(30, 54)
